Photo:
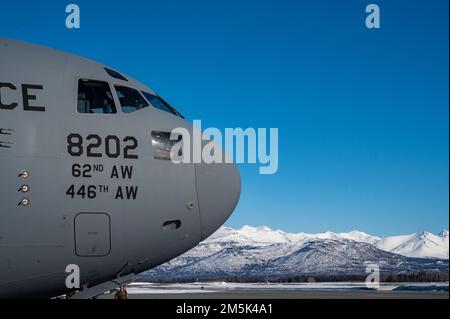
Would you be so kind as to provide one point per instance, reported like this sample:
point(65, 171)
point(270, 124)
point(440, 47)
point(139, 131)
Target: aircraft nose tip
point(218, 189)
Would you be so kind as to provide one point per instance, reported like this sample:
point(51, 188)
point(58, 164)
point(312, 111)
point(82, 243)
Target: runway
point(292, 295)
point(285, 291)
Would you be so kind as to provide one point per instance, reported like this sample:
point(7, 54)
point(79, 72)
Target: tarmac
point(303, 294)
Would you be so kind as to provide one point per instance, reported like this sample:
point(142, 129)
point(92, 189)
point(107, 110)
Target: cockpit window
point(130, 99)
point(95, 97)
point(162, 145)
point(159, 103)
point(115, 74)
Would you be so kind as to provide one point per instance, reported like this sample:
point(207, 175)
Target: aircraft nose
point(218, 190)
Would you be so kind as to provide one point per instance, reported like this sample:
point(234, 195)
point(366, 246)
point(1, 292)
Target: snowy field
point(212, 287)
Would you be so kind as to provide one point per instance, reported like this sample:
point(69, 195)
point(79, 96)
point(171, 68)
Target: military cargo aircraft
point(86, 177)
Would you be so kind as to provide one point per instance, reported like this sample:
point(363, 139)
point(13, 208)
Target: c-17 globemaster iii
point(86, 177)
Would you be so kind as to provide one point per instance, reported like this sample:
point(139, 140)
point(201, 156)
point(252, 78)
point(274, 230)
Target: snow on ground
point(208, 287)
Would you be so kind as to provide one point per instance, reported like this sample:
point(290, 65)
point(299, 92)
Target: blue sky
point(362, 114)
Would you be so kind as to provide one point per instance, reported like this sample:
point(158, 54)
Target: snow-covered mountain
point(261, 251)
point(420, 245)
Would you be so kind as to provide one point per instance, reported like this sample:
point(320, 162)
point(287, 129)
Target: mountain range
point(254, 252)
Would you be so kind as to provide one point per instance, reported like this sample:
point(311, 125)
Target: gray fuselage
point(87, 189)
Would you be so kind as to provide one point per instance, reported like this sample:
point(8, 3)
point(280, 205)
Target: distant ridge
point(251, 252)
point(421, 245)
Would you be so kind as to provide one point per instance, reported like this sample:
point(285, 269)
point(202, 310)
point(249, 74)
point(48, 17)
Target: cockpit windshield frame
point(167, 107)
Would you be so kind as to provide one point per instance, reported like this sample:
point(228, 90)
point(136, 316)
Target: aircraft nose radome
point(218, 189)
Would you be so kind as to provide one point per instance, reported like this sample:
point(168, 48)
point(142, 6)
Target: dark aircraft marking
point(6, 131)
point(90, 191)
point(6, 144)
point(94, 146)
point(26, 97)
point(112, 146)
